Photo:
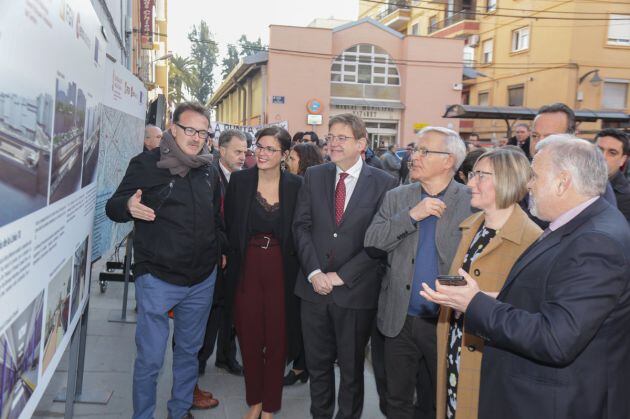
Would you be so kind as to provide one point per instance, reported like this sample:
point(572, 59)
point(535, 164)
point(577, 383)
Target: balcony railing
point(392, 7)
point(464, 14)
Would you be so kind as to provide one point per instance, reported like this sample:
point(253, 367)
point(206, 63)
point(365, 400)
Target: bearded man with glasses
point(417, 225)
point(173, 196)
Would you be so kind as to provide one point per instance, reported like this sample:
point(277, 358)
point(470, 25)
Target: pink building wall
point(426, 88)
point(298, 78)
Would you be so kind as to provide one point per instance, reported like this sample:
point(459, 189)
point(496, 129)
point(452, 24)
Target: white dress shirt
point(225, 171)
point(351, 179)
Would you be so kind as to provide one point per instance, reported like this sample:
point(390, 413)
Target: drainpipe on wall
point(263, 73)
point(129, 33)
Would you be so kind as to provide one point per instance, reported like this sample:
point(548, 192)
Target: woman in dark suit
point(259, 206)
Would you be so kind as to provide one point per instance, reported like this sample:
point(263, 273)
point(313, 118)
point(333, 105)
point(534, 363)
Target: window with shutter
point(516, 95)
point(615, 95)
point(520, 39)
point(483, 99)
point(487, 51)
point(619, 30)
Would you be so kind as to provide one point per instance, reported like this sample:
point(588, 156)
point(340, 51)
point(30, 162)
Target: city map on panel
point(120, 141)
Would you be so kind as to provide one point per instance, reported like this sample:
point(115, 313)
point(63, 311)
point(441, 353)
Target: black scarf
point(179, 163)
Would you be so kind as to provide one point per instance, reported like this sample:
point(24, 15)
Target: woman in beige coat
point(492, 240)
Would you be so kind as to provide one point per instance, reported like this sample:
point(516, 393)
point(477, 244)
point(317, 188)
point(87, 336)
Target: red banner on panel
point(146, 23)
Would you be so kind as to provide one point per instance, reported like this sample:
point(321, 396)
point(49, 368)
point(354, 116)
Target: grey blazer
point(392, 231)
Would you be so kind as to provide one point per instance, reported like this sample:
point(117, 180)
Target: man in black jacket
point(615, 145)
point(173, 196)
point(553, 119)
point(521, 139)
point(232, 151)
point(152, 137)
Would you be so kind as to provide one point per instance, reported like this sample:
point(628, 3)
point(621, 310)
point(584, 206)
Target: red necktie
point(340, 197)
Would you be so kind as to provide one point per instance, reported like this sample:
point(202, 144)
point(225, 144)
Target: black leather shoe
point(232, 366)
point(292, 378)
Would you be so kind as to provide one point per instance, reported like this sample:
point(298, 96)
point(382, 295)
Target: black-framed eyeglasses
point(425, 151)
point(341, 138)
point(190, 131)
point(480, 175)
point(270, 150)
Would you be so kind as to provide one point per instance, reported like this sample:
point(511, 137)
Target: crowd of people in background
point(491, 280)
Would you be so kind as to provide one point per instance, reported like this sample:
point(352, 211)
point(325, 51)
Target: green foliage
point(230, 61)
point(250, 47)
point(179, 79)
point(244, 48)
point(192, 77)
point(203, 59)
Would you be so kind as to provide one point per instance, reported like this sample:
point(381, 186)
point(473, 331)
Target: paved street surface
point(109, 363)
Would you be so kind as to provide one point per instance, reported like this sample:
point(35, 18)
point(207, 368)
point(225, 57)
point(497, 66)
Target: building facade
point(309, 74)
point(150, 48)
point(136, 31)
point(527, 52)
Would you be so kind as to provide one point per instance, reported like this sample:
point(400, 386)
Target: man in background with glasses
point(418, 226)
point(556, 118)
point(173, 196)
point(339, 282)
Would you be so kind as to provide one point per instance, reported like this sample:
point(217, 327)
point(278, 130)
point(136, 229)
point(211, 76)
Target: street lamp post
point(166, 56)
point(594, 81)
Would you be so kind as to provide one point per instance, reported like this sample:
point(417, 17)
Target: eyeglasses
point(425, 152)
point(411, 164)
point(189, 131)
point(269, 150)
point(341, 138)
point(479, 175)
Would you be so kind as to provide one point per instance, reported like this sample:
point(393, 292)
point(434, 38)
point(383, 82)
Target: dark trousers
point(299, 363)
point(331, 332)
point(259, 315)
point(220, 330)
point(411, 362)
point(377, 349)
point(299, 360)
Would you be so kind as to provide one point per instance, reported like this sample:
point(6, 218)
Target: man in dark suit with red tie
point(339, 281)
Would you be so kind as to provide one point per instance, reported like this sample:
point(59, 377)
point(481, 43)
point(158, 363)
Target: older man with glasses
point(417, 225)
